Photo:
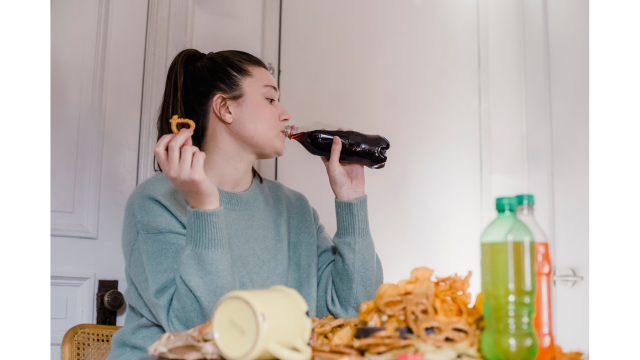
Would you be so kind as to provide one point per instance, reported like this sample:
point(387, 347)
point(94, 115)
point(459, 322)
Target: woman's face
point(258, 117)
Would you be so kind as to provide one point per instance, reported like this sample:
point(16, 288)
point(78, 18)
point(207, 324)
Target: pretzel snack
point(436, 310)
point(175, 120)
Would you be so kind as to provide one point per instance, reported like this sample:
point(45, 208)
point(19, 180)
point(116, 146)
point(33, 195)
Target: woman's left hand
point(347, 181)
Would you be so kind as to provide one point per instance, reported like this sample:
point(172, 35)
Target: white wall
point(407, 71)
point(227, 25)
point(478, 99)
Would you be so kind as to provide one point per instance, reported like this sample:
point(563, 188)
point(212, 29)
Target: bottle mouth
point(383, 151)
point(288, 131)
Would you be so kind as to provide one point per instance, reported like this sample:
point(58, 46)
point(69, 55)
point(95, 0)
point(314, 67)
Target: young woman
point(208, 223)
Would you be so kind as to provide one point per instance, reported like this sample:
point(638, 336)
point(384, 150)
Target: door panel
point(97, 61)
point(72, 299)
point(78, 38)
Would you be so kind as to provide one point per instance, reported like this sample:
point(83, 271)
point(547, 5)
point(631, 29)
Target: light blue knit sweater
point(180, 261)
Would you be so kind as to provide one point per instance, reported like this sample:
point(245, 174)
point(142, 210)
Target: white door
point(100, 149)
point(464, 92)
point(97, 57)
point(569, 85)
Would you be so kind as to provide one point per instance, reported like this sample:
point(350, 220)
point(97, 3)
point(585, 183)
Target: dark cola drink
point(357, 148)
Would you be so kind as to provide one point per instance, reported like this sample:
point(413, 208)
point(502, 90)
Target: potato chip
point(344, 335)
point(322, 321)
point(437, 312)
point(388, 290)
point(394, 323)
point(393, 305)
point(394, 344)
point(364, 344)
point(328, 326)
point(330, 355)
point(367, 310)
point(425, 286)
point(456, 332)
point(421, 273)
point(322, 340)
point(406, 287)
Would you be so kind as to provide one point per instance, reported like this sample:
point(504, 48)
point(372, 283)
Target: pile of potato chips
point(437, 312)
point(334, 339)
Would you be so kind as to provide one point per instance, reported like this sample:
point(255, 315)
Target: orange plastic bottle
point(542, 321)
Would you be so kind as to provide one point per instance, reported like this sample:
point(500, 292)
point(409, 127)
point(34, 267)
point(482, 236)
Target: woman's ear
point(220, 107)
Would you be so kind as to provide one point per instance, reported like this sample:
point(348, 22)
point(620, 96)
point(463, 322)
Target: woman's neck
point(228, 166)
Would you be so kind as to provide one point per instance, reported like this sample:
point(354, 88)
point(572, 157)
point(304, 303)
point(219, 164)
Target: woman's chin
point(273, 155)
point(280, 152)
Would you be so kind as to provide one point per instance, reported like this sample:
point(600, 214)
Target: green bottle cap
point(506, 204)
point(525, 199)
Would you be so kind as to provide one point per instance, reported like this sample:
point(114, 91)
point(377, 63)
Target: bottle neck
point(525, 210)
point(506, 212)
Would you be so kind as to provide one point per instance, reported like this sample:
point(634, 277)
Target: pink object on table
point(411, 357)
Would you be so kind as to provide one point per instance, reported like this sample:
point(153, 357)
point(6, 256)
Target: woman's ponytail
point(172, 103)
point(193, 79)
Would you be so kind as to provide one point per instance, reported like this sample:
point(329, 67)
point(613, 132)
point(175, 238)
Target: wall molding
point(538, 112)
point(168, 33)
point(515, 105)
point(82, 222)
point(85, 310)
point(271, 56)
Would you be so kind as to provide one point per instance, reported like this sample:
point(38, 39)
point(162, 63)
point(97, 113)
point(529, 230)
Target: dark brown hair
point(194, 78)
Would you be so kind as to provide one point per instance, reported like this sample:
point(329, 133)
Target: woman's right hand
point(183, 164)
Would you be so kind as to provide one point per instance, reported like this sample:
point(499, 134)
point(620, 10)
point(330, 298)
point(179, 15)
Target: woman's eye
point(271, 101)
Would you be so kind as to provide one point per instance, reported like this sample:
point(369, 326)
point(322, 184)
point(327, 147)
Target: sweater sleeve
point(180, 275)
point(349, 270)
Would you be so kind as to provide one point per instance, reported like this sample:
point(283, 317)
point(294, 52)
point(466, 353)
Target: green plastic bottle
point(508, 286)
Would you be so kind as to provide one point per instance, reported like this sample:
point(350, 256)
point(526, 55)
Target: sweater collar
point(241, 200)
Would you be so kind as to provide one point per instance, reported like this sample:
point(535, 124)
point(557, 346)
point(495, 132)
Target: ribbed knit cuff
point(205, 230)
point(352, 218)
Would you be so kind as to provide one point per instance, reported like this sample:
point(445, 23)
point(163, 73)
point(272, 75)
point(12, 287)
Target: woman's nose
point(285, 116)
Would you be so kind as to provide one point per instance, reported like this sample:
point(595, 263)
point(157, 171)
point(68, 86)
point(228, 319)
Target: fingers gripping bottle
point(508, 286)
point(357, 148)
point(542, 320)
